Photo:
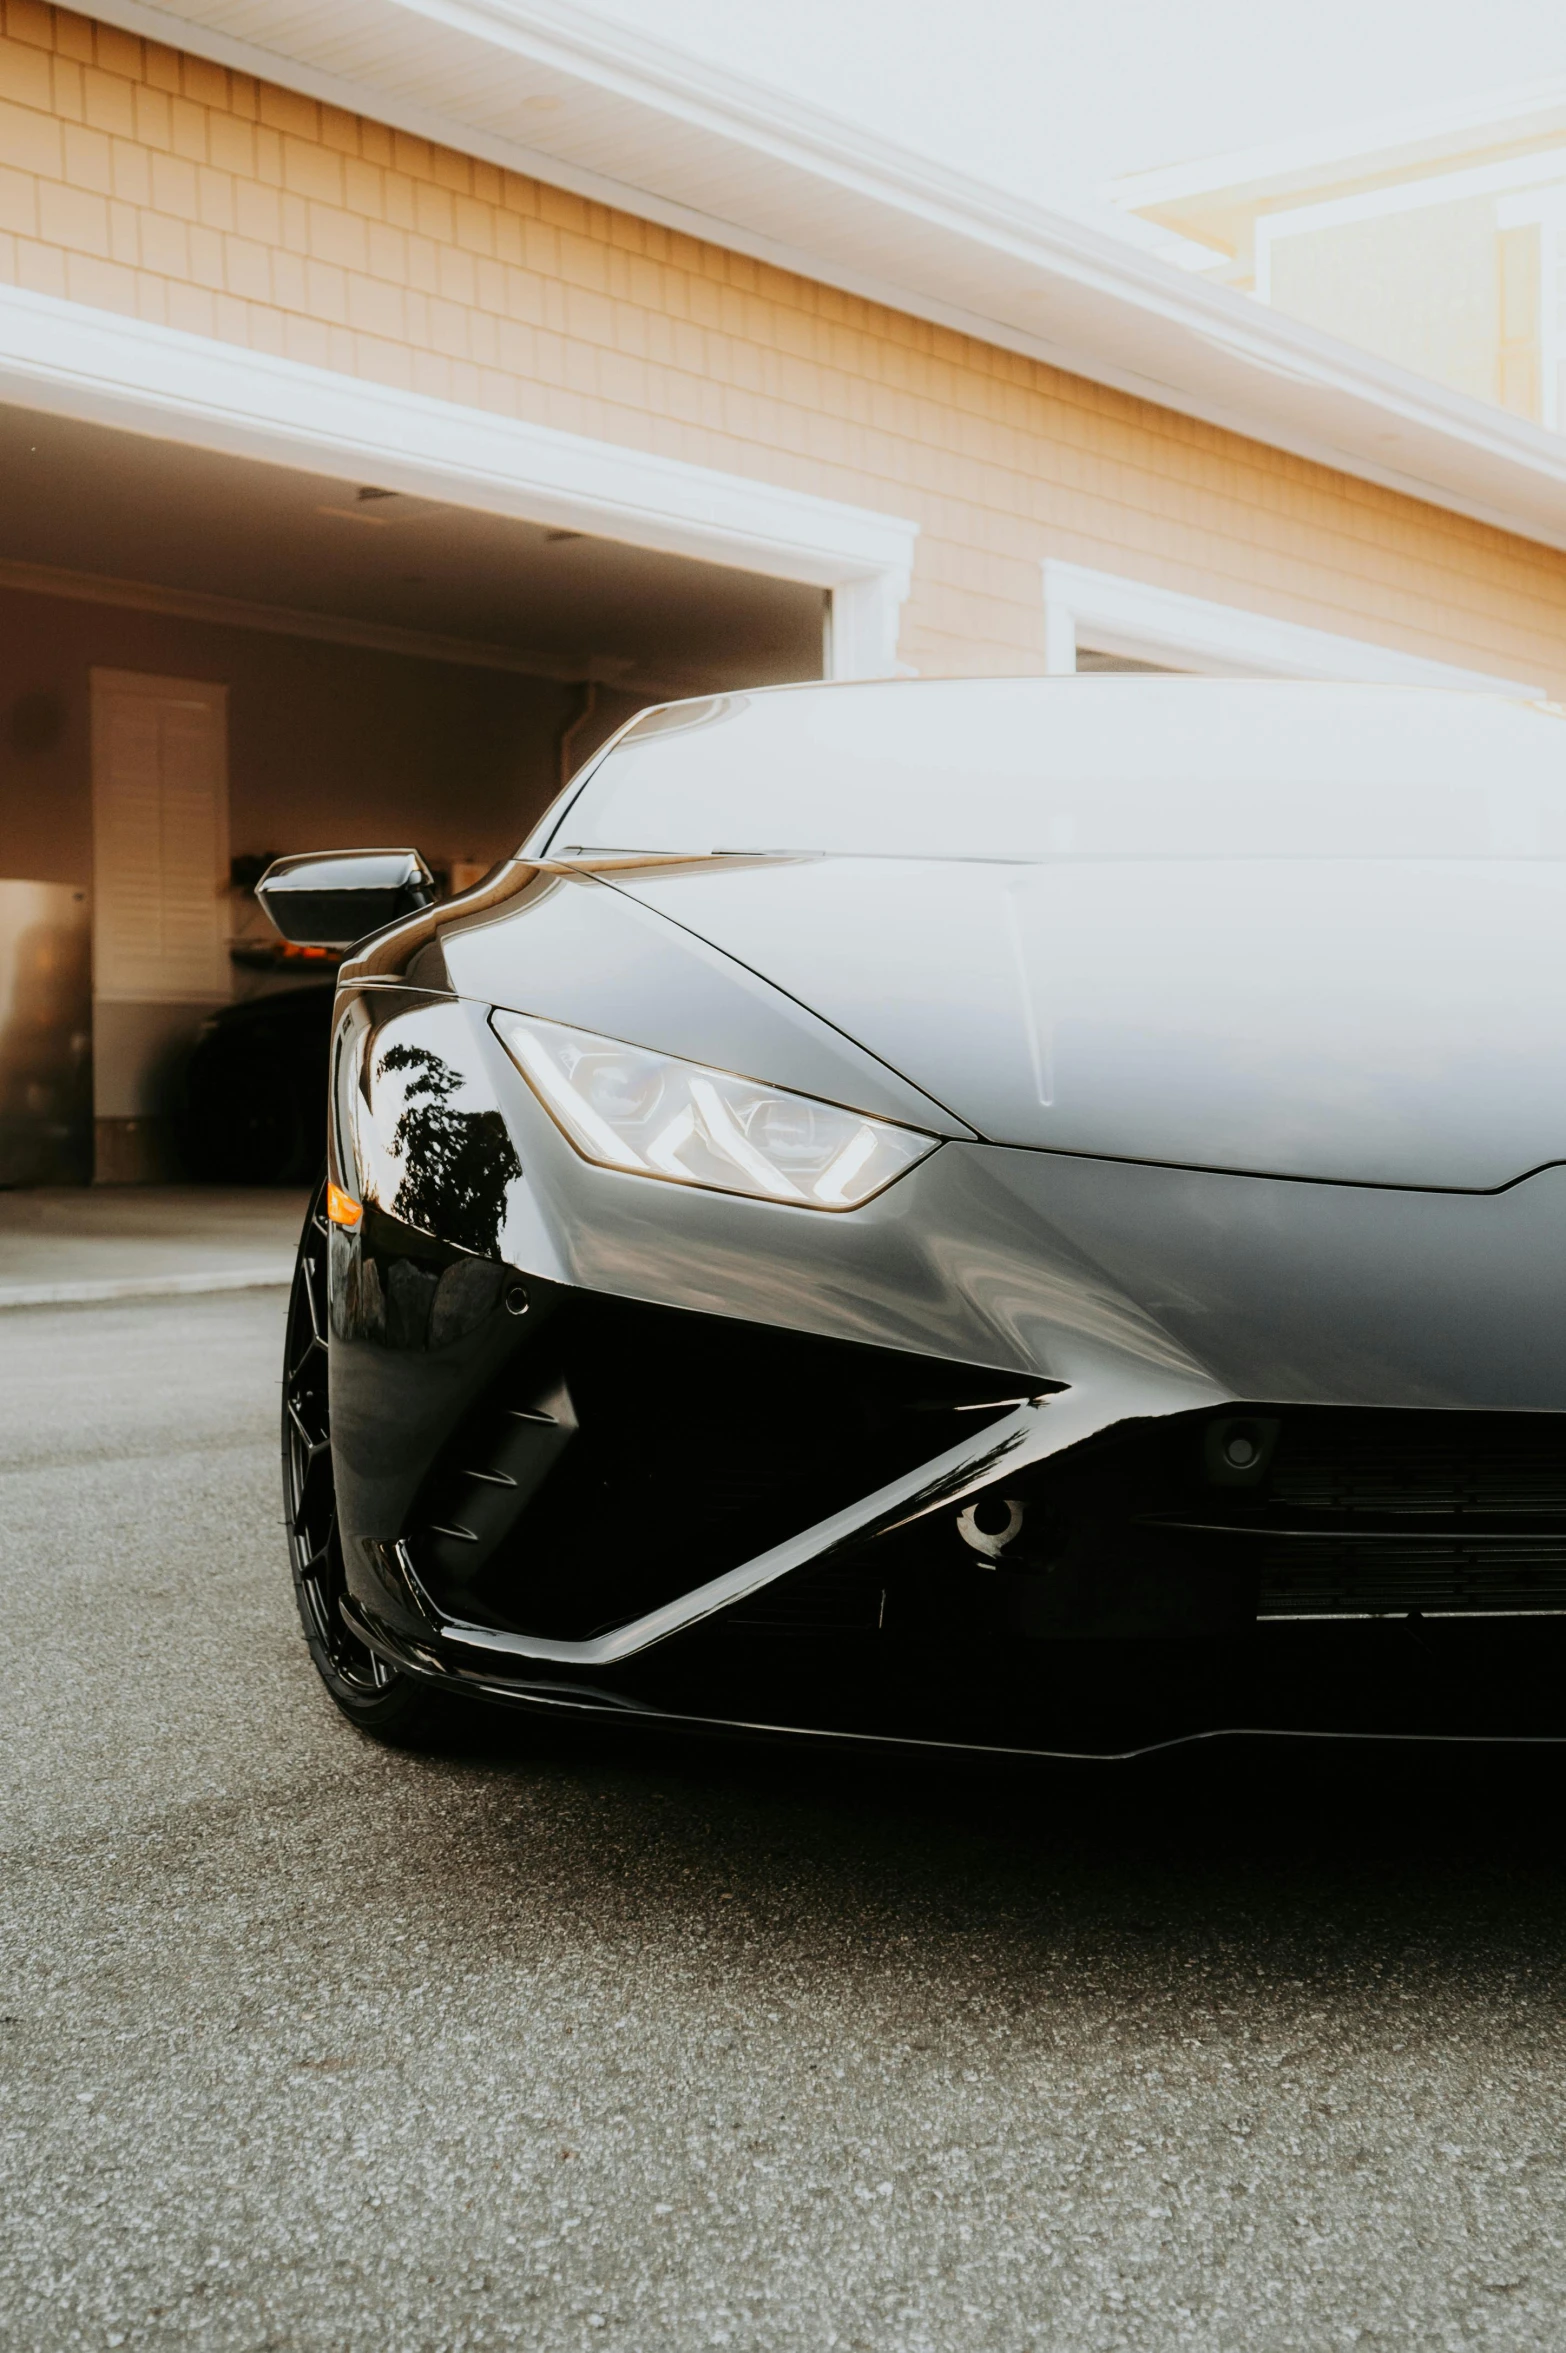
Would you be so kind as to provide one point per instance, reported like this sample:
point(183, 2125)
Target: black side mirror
point(335, 898)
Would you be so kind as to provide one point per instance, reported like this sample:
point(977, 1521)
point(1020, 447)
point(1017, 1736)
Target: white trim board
point(1544, 209)
point(1486, 179)
point(1526, 208)
point(1389, 142)
point(1114, 615)
point(110, 370)
point(1544, 173)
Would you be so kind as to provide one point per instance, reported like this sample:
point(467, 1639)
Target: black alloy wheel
point(372, 1694)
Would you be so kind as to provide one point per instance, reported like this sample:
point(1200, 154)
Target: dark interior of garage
point(394, 670)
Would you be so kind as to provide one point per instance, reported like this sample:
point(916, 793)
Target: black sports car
point(1027, 1214)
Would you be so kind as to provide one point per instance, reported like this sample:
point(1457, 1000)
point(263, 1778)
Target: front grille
point(1349, 1464)
point(1270, 1511)
point(1395, 1512)
point(1348, 1576)
point(1362, 1513)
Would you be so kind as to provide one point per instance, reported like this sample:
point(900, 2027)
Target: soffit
point(554, 92)
point(91, 510)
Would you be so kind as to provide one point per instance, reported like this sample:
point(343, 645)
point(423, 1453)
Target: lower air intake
point(1270, 1511)
point(1339, 1577)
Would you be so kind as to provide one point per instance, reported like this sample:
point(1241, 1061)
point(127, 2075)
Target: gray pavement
point(567, 2041)
point(89, 1242)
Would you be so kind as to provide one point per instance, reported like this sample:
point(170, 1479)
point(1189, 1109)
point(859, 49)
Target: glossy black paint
point(515, 1452)
point(643, 1451)
point(552, 1461)
point(1055, 1263)
point(458, 1163)
point(356, 1673)
point(563, 939)
point(419, 1329)
point(1011, 1448)
point(336, 897)
point(979, 1688)
point(412, 1097)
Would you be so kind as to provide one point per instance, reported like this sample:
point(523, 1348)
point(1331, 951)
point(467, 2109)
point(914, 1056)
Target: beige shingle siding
point(139, 180)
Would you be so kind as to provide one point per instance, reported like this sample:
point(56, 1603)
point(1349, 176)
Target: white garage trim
point(110, 370)
point(1114, 615)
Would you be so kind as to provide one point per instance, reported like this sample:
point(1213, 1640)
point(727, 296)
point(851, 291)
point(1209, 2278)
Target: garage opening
point(206, 661)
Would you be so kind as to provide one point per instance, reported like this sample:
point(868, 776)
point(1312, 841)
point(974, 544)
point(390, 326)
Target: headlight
point(627, 1108)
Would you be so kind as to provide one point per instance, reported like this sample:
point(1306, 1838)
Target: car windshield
point(1090, 767)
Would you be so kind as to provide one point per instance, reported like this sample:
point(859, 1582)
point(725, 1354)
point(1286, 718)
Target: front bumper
point(606, 1442)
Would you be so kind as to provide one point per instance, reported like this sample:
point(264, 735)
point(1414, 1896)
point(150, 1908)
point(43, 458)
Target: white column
point(1060, 633)
point(866, 616)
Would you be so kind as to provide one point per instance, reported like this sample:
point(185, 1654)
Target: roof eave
point(738, 166)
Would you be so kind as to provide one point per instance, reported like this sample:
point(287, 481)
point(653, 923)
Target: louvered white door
point(160, 839)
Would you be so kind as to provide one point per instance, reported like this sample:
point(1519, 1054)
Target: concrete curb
point(274, 1276)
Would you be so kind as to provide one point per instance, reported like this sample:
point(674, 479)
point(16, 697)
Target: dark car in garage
point(253, 1107)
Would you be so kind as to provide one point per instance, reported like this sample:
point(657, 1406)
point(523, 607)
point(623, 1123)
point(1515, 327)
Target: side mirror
point(335, 898)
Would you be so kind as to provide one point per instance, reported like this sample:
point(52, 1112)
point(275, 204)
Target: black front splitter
point(1479, 1682)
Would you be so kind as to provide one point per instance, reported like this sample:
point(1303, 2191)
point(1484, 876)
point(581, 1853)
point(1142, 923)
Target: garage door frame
point(102, 368)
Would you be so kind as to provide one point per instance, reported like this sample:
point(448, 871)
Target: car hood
point(1376, 1020)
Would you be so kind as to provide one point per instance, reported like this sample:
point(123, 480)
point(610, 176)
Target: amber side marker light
point(341, 1207)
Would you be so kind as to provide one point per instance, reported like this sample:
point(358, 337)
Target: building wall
point(1524, 255)
point(139, 180)
point(1422, 288)
point(1553, 307)
point(329, 746)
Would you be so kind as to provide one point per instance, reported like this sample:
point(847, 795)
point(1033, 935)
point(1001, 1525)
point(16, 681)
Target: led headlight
point(627, 1108)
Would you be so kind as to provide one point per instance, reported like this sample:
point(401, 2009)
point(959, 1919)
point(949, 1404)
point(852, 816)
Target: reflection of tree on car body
point(456, 1164)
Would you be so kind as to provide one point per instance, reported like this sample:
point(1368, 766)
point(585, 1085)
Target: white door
point(160, 878)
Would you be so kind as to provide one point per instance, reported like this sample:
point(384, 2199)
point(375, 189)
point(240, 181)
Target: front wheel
point(375, 1696)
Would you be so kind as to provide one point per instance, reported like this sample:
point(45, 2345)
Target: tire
point(377, 1697)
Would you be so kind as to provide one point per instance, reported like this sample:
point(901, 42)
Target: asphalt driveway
point(566, 2040)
